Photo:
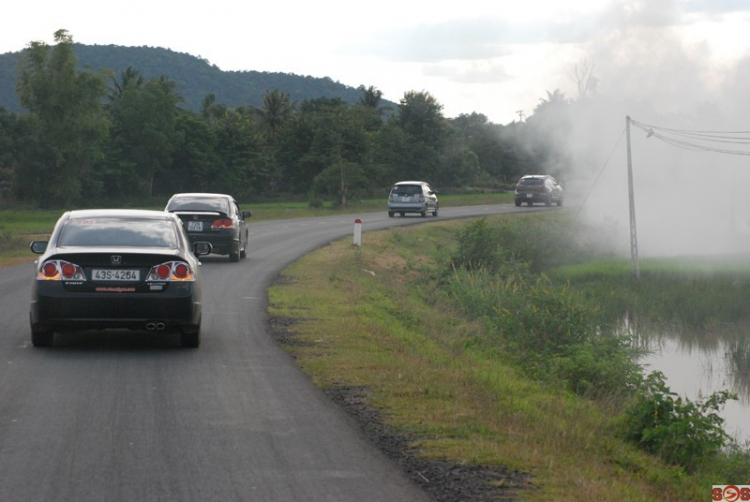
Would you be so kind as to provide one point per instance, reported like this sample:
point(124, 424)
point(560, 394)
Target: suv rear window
point(407, 190)
point(531, 181)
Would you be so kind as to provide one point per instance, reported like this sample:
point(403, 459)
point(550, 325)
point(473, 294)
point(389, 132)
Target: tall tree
point(129, 77)
point(195, 160)
point(420, 116)
point(144, 132)
point(341, 144)
point(67, 117)
point(369, 103)
point(243, 164)
point(586, 82)
point(9, 141)
point(275, 111)
point(371, 97)
point(211, 111)
point(484, 139)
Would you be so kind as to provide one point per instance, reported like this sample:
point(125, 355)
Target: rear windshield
point(407, 190)
point(219, 205)
point(532, 181)
point(103, 232)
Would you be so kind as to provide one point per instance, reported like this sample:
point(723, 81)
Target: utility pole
point(633, 234)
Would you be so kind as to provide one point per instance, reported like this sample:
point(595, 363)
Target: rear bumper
point(221, 244)
point(54, 309)
point(407, 207)
point(533, 197)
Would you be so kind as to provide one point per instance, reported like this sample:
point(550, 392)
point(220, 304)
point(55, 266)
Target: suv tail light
point(57, 270)
point(222, 223)
point(171, 271)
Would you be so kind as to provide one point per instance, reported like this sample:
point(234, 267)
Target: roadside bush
point(545, 329)
point(601, 368)
point(478, 248)
point(681, 432)
point(541, 242)
point(315, 203)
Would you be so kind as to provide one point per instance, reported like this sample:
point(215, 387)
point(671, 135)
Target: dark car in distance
point(117, 269)
point(538, 188)
point(214, 218)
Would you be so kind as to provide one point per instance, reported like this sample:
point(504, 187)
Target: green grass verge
point(362, 319)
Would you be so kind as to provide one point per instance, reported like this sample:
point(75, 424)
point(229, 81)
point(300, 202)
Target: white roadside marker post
point(358, 232)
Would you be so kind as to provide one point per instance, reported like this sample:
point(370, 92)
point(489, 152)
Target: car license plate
point(195, 226)
point(115, 275)
point(529, 195)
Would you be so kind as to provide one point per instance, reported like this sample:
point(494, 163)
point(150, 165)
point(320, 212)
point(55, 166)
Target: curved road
point(126, 417)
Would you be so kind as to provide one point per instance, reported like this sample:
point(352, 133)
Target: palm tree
point(169, 87)
point(275, 111)
point(211, 111)
point(370, 97)
point(556, 97)
point(128, 77)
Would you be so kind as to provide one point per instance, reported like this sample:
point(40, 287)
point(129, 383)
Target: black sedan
point(123, 269)
point(214, 218)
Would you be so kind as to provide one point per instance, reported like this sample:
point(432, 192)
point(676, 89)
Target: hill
point(195, 77)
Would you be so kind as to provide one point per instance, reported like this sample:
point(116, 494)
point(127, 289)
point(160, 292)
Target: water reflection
point(697, 363)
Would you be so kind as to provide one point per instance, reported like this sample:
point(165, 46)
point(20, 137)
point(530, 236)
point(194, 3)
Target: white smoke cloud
point(687, 201)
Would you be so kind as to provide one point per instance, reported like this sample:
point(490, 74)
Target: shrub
point(681, 432)
point(478, 248)
point(544, 328)
point(315, 203)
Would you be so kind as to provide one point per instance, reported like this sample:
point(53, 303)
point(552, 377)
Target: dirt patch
point(281, 332)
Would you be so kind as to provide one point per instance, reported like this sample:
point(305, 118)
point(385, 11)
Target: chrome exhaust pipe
point(160, 326)
point(150, 326)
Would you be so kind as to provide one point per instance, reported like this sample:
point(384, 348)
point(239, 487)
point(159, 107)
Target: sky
point(494, 57)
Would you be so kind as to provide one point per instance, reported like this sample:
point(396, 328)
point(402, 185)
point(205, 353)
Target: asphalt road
point(126, 417)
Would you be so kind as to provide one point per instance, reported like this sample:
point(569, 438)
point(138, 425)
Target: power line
point(699, 140)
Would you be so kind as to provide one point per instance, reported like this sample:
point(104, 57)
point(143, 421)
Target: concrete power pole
point(633, 234)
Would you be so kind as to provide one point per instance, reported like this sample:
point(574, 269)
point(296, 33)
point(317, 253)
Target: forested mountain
point(195, 77)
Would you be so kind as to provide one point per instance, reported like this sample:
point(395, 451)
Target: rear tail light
point(181, 270)
point(171, 271)
point(163, 271)
point(222, 223)
point(57, 270)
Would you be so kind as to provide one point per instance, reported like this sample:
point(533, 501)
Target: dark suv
point(214, 218)
point(538, 188)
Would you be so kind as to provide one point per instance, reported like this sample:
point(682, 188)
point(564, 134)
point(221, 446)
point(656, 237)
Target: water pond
point(697, 364)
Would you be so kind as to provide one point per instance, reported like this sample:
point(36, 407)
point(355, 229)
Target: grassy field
point(365, 318)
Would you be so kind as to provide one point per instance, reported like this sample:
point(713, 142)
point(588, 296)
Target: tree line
point(95, 136)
